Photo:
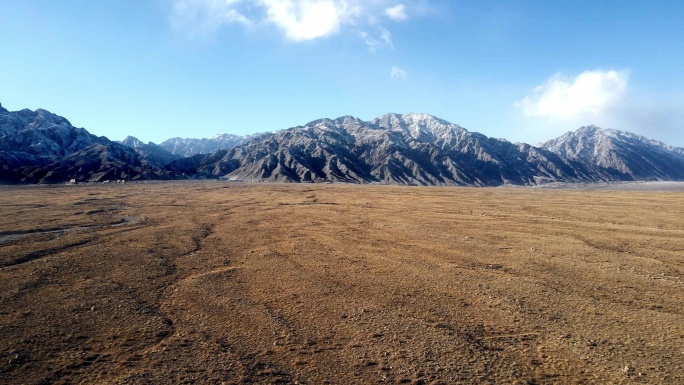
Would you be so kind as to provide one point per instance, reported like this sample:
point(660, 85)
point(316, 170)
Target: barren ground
point(313, 284)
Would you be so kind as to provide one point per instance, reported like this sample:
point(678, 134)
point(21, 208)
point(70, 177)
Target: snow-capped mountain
point(621, 154)
point(400, 149)
point(190, 147)
point(41, 147)
point(41, 134)
point(152, 154)
point(411, 149)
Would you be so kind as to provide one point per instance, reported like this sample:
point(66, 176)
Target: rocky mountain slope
point(408, 149)
point(621, 154)
point(189, 146)
point(152, 154)
point(41, 147)
point(411, 149)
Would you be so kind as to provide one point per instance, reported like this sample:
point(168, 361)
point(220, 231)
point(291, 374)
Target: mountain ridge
point(151, 153)
point(42, 147)
point(191, 146)
point(389, 149)
point(632, 154)
point(410, 149)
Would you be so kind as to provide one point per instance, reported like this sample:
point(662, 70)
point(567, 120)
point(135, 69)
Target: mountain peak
point(421, 126)
point(596, 130)
point(394, 148)
point(45, 118)
point(618, 154)
point(191, 146)
point(347, 119)
point(340, 120)
point(412, 118)
point(132, 141)
point(224, 136)
point(2, 109)
point(589, 128)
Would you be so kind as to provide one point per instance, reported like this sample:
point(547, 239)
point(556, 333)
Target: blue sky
point(522, 70)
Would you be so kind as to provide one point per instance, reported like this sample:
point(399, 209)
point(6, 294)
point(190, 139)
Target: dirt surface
point(659, 186)
point(335, 284)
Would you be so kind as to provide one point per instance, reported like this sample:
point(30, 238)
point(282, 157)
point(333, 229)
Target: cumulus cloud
point(397, 13)
point(589, 94)
point(308, 19)
point(602, 98)
point(397, 73)
point(300, 20)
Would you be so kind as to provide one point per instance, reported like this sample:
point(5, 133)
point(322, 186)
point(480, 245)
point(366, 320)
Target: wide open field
point(315, 284)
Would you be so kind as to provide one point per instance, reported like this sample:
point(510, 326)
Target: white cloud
point(605, 99)
point(206, 16)
point(373, 44)
point(397, 13)
point(300, 20)
point(309, 19)
point(386, 36)
point(397, 73)
point(589, 95)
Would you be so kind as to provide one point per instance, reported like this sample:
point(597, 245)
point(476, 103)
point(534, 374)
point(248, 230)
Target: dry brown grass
point(238, 283)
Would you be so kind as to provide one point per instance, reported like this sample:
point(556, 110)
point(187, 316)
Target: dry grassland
point(335, 284)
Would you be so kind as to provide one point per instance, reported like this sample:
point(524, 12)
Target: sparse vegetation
point(214, 282)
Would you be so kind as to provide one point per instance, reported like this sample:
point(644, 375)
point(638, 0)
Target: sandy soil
point(661, 186)
point(334, 284)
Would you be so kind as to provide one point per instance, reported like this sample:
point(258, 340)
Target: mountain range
point(409, 149)
point(189, 146)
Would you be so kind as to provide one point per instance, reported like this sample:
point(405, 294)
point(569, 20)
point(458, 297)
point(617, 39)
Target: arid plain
point(215, 282)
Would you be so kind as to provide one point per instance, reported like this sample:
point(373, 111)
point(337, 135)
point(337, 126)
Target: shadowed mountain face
point(152, 154)
point(409, 149)
point(41, 135)
point(40, 147)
